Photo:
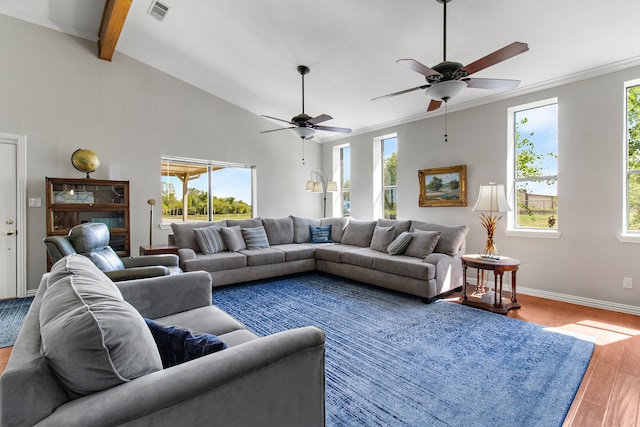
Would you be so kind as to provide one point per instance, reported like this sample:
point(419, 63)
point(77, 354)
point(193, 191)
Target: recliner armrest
point(137, 273)
point(168, 260)
point(162, 296)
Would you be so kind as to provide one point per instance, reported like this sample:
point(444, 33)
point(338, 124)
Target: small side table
point(499, 267)
point(158, 249)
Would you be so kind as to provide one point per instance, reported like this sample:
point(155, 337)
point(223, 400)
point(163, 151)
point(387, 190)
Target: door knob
point(9, 233)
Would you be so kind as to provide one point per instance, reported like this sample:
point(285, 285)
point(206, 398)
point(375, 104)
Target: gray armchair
point(91, 239)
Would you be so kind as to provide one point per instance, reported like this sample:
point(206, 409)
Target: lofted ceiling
point(247, 51)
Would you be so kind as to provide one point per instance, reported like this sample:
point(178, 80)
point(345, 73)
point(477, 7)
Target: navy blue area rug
point(393, 361)
point(12, 314)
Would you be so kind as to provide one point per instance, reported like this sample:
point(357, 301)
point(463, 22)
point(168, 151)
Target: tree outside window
point(390, 177)
point(536, 166)
point(345, 180)
point(633, 158)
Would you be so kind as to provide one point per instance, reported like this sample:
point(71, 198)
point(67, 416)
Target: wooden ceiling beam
point(113, 19)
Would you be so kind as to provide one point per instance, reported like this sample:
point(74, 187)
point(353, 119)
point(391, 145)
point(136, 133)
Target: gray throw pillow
point(255, 237)
point(400, 243)
point(422, 244)
point(358, 233)
point(301, 233)
point(451, 239)
point(183, 235)
point(93, 339)
point(279, 230)
point(337, 227)
point(210, 240)
point(233, 238)
point(382, 237)
point(401, 225)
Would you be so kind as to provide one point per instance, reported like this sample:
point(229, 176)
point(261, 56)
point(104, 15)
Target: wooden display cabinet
point(75, 201)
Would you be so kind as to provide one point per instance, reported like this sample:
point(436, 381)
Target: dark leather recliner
point(91, 239)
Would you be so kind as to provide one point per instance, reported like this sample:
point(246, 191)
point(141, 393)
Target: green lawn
point(178, 218)
point(536, 221)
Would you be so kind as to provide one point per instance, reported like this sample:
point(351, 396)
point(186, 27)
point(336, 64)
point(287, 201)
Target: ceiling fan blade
point(499, 55)
point(418, 67)
point(319, 119)
point(280, 120)
point(401, 92)
point(275, 130)
point(333, 129)
point(493, 84)
point(434, 105)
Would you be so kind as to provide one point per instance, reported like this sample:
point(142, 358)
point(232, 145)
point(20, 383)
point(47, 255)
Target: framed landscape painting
point(443, 186)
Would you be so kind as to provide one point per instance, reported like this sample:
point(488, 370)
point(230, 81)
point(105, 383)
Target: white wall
point(587, 263)
point(57, 92)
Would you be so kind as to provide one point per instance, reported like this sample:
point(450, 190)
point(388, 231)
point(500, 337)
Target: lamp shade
point(310, 185)
point(446, 90)
point(303, 132)
point(492, 199)
point(317, 187)
point(332, 186)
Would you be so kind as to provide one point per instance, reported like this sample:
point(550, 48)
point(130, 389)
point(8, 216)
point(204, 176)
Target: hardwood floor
point(610, 391)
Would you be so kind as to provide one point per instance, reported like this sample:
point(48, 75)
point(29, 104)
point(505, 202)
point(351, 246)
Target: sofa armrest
point(137, 273)
point(277, 380)
point(168, 260)
point(162, 296)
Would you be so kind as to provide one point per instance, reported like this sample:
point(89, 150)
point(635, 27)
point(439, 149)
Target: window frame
point(383, 169)
point(627, 235)
point(511, 180)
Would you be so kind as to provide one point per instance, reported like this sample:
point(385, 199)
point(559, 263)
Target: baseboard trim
point(572, 299)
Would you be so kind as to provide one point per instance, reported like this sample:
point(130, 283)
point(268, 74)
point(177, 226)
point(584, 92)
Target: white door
point(12, 215)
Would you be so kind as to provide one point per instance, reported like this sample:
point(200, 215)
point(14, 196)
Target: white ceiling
point(247, 51)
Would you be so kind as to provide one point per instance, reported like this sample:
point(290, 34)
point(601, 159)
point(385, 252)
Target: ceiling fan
point(448, 79)
point(304, 125)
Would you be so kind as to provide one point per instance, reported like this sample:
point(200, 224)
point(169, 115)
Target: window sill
point(629, 238)
point(541, 234)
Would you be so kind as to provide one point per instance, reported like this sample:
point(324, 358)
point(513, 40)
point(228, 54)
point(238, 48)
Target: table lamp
point(491, 199)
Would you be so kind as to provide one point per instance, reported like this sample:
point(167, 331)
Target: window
point(187, 184)
point(632, 157)
point(345, 180)
point(390, 177)
point(533, 171)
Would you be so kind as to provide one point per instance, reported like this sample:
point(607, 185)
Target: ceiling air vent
point(158, 10)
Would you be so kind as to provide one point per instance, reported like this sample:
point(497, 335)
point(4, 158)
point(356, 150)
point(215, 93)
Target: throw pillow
point(177, 345)
point(382, 237)
point(210, 240)
point(301, 225)
point(423, 243)
point(337, 227)
point(358, 233)
point(255, 237)
point(279, 230)
point(93, 339)
point(451, 239)
point(183, 235)
point(400, 243)
point(321, 234)
point(232, 237)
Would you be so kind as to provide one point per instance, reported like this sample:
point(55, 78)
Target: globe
point(85, 161)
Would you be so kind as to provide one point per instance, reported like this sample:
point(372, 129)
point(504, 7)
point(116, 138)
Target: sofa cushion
point(245, 223)
point(210, 239)
point(400, 225)
point(403, 265)
point(296, 252)
point(331, 252)
point(177, 345)
point(400, 243)
point(362, 257)
point(233, 238)
point(382, 237)
point(92, 338)
point(423, 243)
point(321, 234)
point(451, 239)
point(337, 227)
point(217, 262)
point(301, 225)
point(358, 233)
point(183, 235)
point(255, 237)
point(263, 256)
point(279, 230)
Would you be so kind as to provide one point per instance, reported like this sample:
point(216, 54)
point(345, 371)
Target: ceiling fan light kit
point(446, 90)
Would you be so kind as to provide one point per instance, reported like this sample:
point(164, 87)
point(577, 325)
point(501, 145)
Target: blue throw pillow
point(177, 345)
point(320, 234)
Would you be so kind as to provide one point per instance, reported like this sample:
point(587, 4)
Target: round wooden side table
point(498, 267)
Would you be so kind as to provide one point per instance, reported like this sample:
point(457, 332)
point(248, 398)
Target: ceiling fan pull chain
point(303, 163)
point(446, 127)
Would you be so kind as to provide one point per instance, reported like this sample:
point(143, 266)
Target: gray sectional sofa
point(85, 357)
point(429, 267)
